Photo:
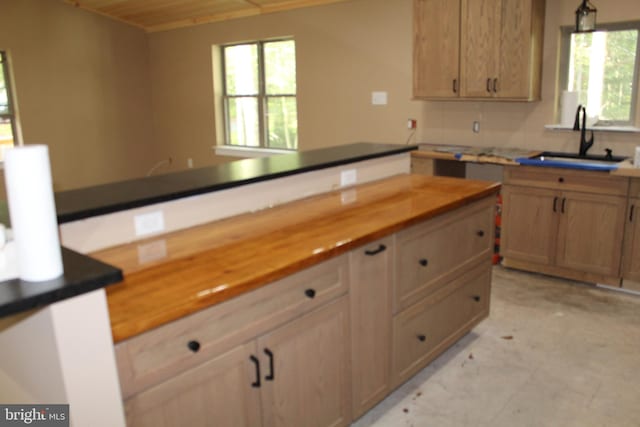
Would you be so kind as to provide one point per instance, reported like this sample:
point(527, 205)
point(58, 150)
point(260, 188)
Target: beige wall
point(112, 101)
point(82, 83)
point(344, 52)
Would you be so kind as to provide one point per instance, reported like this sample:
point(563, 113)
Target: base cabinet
point(217, 393)
point(321, 347)
point(424, 330)
point(296, 375)
point(564, 222)
point(631, 257)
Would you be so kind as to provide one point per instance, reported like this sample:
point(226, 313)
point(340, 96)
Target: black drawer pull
point(272, 373)
point(480, 233)
point(311, 293)
point(455, 85)
point(255, 360)
point(422, 338)
point(495, 85)
point(555, 204)
point(424, 262)
point(476, 298)
point(631, 213)
point(489, 85)
point(564, 201)
point(561, 180)
point(194, 346)
point(380, 248)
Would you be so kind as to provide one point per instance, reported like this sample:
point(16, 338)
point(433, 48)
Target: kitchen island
point(352, 255)
point(399, 267)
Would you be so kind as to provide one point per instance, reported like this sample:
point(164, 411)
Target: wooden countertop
point(179, 273)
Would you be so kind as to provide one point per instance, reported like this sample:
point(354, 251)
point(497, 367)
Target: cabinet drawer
point(634, 190)
point(423, 331)
point(567, 179)
point(158, 354)
point(431, 254)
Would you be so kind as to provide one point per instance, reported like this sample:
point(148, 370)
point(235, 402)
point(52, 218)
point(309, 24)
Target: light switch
point(379, 98)
point(348, 177)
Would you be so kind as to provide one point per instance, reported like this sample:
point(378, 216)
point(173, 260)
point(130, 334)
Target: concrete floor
point(552, 353)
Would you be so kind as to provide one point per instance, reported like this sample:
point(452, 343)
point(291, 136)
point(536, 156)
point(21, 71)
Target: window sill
point(624, 129)
point(247, 152)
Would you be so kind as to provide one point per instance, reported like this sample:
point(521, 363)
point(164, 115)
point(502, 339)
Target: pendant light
point(586, 17)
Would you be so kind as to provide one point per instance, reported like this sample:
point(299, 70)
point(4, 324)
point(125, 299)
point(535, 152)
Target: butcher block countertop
point(176, 274)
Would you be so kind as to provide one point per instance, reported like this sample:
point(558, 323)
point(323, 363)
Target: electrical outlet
point(476, 127)
point(149, 223)
point(348, 177)
point(412, 124)
point(190, 163)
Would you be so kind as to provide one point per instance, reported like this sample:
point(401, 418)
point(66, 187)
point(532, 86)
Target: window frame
point(262, 97)
point(12, 115)
point(564, 60)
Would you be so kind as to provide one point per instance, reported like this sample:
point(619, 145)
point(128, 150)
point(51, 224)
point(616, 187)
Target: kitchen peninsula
point(396, 265)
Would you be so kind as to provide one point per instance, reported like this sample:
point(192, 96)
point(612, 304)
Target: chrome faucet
point(582, 127)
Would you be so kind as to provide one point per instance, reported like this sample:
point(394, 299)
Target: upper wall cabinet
point(478, 49)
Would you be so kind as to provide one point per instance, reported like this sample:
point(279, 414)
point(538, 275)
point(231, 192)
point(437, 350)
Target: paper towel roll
point(33, 212)
point(636, 161)
point(568, 107)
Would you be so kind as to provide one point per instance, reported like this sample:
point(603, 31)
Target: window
point(260, 94)
point(8, 125)
point(603, 68)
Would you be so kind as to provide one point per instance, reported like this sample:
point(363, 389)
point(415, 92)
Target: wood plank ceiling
point(159, 15)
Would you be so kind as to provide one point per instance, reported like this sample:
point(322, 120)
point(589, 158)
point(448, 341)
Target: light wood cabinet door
point(515, 58)
point(371, 275)
point(436, 48)
point(309, 370)
point(480, 47)
point(529, 224)
point(590, 231)
point(217, 393)
point(631, 257)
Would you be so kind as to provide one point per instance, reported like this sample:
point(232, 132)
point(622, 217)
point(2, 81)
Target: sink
point(573, 161)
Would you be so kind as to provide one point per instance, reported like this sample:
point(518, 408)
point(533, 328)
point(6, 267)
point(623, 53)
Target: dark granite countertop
point(83, 203)
point(82, 274)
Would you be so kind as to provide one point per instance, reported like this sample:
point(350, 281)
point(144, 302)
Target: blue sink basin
point(573, 161)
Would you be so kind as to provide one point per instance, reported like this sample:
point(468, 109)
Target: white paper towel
point(33, 212)
point(636, 161)
point(568, 107)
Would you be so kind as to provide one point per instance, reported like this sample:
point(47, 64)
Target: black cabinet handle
point(480, 233)
point(255, 360)
point(555, 204)
point(495, 85)
point(424, 262)
point(311, 293)
point(476, 298)
point(561, 180)
point(455, 85)
point(489, 85)
point(564, 201)
point(380, 248)
point(272, 373)
point(422, 338)
point(193, 346)
point(631, 213)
